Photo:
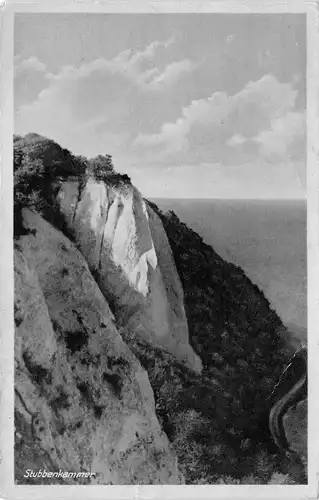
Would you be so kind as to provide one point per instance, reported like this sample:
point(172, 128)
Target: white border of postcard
point(7, 487)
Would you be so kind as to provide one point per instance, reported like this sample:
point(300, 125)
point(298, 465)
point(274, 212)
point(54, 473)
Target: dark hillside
point(236, 333)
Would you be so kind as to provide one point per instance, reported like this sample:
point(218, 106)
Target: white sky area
point(188, 105)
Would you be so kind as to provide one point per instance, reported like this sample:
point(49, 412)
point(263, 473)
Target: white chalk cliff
point(126, 247)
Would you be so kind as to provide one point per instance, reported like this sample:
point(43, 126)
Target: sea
point(266, 238)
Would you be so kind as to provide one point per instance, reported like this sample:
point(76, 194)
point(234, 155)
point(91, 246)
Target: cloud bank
point(98, 102)
point(163, 111)
point(263, 111)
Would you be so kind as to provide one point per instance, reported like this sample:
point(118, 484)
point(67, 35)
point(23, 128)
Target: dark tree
point(101, 166)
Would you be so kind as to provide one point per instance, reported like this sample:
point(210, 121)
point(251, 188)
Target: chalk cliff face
point(126, 247)
point(83, 401)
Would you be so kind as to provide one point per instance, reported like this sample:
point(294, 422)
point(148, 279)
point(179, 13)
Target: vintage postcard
point(160, 245)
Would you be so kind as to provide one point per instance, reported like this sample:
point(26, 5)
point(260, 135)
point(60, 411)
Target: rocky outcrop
point(83, 401)
point(126, 248)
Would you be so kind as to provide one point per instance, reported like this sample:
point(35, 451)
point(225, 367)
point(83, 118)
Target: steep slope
point(243, 346)
point(83, 402)
point(228, 315)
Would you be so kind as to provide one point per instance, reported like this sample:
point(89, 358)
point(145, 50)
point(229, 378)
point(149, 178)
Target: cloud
point(133, 66)
point(172, 72)
point(50, 117)
point(284, 131)
point(30, 77)
point(149, 52)
point(32, 64)
point(100, 99)
point(206, 126)
point(236, 140)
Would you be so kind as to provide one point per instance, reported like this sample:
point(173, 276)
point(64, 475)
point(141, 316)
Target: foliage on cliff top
point(55, 160)
point(40, 164)
point(39, 161)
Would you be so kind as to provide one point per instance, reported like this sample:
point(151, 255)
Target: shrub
point(101, 167)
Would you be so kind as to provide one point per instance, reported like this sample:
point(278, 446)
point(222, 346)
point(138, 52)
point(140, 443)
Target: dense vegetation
point(232, 326)
point(199, 417)
point(216, 421)
point(40, 164)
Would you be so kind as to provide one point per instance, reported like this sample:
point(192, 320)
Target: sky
point(188, 105)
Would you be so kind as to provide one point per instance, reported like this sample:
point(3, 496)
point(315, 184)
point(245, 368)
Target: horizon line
point(304, 199)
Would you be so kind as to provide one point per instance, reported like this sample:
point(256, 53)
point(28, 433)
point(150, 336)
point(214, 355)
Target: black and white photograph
point(161, 323)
